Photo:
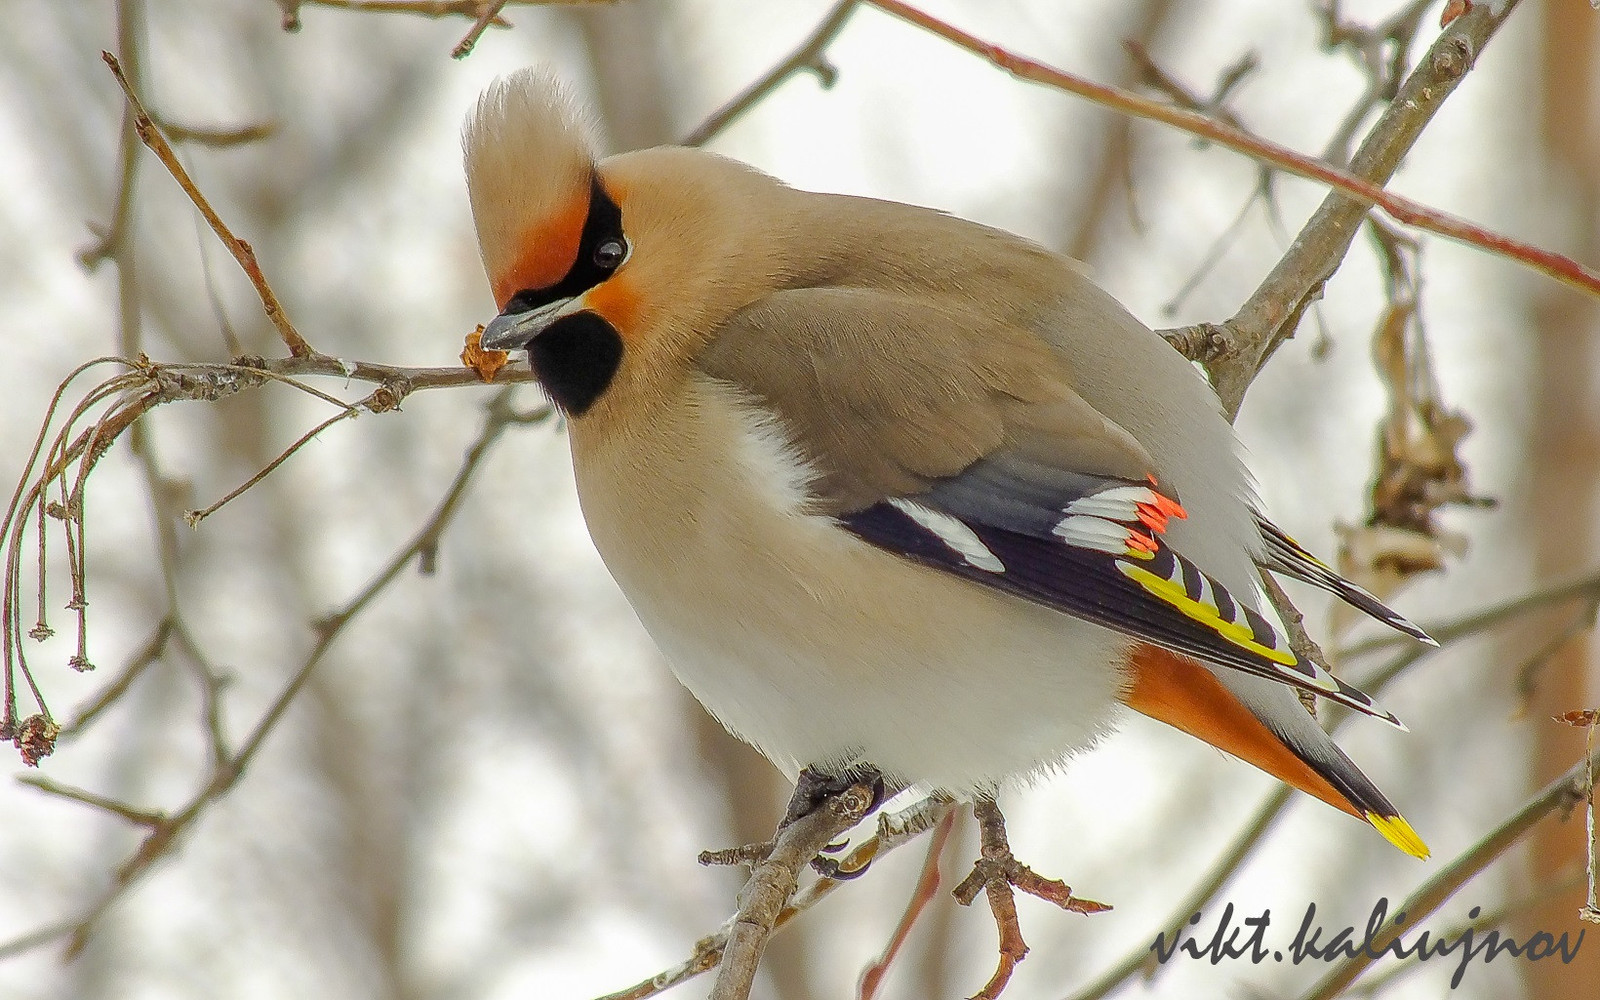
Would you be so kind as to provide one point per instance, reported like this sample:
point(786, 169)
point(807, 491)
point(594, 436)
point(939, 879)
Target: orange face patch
point(548, 249)
point(616, 300)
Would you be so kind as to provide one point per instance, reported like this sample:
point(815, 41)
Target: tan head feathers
point(529, 161)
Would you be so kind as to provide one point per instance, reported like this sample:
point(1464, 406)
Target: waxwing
point(890, 489)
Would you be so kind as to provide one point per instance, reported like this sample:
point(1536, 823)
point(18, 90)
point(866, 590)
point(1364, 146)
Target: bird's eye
point(610, 253)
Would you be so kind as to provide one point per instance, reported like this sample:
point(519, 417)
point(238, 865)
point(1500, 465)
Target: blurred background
point(491, 786)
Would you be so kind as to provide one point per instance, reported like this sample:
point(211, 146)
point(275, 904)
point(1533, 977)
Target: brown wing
point(889, 393)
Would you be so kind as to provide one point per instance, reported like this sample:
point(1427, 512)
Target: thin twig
point(1181, 95)
point(421, 8)
point(242, 252)
point(216, 137)
point(488, 13)
point(194, 517)
point(1384, 72)
point(922, 894)
point(148, 654)
point(448, 377)
point(140, 817)
point(809, 55)
point(113, 238)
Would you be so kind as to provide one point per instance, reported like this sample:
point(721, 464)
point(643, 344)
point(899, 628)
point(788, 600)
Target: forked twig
point(773, 882)
point(894, 830)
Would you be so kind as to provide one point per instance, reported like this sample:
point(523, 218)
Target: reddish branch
point(927, 887)
point(1558, 266)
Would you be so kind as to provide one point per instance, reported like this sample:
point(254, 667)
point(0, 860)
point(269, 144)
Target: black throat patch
point(575, 359)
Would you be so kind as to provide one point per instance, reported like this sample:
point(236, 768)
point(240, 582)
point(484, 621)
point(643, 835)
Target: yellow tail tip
point(1399, 833)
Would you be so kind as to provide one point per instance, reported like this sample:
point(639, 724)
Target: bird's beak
point(513, 331)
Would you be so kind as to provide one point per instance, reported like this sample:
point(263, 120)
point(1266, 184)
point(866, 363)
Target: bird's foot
point(996, 873)
point(815, 787)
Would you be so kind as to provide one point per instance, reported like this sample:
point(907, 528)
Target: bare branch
point(242, 252)
point(167, 829)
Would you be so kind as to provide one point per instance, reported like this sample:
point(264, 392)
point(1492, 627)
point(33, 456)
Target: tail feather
point(1287, 556)
point(1181, 692)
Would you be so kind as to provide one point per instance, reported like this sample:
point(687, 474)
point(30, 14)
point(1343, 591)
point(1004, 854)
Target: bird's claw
point(832, 868)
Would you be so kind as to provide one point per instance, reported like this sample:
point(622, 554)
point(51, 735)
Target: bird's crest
point(529, 164)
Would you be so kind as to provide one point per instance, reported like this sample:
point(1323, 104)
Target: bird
point(895, 493)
